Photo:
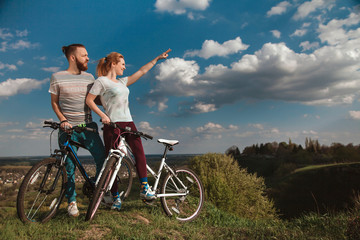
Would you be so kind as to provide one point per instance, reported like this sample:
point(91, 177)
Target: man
point(68, 92)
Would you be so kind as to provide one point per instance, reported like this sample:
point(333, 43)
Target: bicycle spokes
point(183, 195)
point(41, 192)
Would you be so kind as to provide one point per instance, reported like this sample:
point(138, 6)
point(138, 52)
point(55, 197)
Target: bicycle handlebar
point(128, 130)
point(56, 125)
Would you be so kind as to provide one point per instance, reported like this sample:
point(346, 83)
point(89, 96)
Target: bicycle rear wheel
point(184, 208)
point(101, 189)
point(41, 191)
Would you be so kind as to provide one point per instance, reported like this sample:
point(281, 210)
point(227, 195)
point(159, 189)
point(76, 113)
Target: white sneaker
point(146, 193)
point(73, 210)
point(117, 204)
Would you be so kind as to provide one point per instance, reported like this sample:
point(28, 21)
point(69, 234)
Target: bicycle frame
point(119, 153)
point(123, 150)
point(180, 191)
point(67, 150)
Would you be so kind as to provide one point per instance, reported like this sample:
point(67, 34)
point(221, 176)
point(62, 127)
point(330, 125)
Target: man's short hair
point(68, 50)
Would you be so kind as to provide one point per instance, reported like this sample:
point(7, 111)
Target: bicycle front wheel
point(186, 207)
point(41, 191)
point(125, 178)
point(101, 189)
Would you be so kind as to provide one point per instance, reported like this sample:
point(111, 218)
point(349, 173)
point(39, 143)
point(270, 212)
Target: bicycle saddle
point(168, 142)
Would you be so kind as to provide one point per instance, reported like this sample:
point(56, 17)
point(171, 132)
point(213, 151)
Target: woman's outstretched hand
point(164, 55)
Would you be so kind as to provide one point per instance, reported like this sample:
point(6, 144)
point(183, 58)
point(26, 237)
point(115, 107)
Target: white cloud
point(326, 76)
point(12, 87)
point(210, 128)
point(146, 128)
point(7, 66)
point(162, 105)
point(181, 6)
point(233, 127)
point(333, 33)
point(15, 130)
point(276, 33)
point(23, 33)
point(195, 16)
point(3, 47)
point(299, 33)
point(178, 69)
point(7, 124)
point(278, 9)
point(42, 58)
point(214, 130)
point(308, 7)
point(354, 114)
point(4, 34)
point(20, 63)
point(257, 126)
point(33, 125)
point(211, 48)
point(33, 134)
point(308, 46)
point(14, 43)
point(203, 108)
point(18, 45)
point(175, 78)
point(274, 131)
point(51, 69)
point(21, 44)
point(311, 132)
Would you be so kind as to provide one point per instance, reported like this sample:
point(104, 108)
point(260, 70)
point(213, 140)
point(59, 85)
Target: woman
point(114, 97)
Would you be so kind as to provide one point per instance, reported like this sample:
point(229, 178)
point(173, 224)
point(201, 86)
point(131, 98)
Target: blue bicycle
point(43, 187)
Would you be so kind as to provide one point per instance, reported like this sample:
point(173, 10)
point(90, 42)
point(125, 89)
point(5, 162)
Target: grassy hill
point(318, 188)
point(139, 221)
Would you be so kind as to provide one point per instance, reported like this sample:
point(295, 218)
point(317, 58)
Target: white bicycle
point(181, 192)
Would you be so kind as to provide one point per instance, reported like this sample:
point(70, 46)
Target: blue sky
point(240, 73)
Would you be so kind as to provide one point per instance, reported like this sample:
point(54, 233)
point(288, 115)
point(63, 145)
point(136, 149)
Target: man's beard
point(81, 66)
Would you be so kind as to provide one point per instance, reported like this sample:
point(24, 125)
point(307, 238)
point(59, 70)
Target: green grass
point(139, 221)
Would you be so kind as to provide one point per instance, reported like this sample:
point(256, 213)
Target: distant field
point(14, 167)
point(314, 167)
point(318, 188)
point(151, 158)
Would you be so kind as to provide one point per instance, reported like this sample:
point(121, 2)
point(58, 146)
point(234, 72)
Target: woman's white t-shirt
point(114, 98)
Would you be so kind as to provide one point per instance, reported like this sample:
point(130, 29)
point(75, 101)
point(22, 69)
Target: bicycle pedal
point(149, 202)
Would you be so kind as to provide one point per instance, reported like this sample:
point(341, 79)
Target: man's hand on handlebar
point(66, 126)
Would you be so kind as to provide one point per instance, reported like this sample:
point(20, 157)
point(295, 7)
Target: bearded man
point(68, 93)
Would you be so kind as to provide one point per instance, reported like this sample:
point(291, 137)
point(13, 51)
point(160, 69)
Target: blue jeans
point(93, 143)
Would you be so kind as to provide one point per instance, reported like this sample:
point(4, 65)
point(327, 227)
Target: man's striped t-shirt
point(72, 90)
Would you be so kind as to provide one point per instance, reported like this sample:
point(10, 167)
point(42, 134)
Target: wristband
point(64, 121)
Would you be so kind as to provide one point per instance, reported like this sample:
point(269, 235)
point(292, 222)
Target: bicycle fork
point(118, 154)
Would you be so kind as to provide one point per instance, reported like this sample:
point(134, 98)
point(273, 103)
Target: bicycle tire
point(100, 189)
point(184, 208)
point(125, 178)
point(36, 203)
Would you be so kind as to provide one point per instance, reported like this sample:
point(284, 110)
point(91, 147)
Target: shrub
point(232, 188)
